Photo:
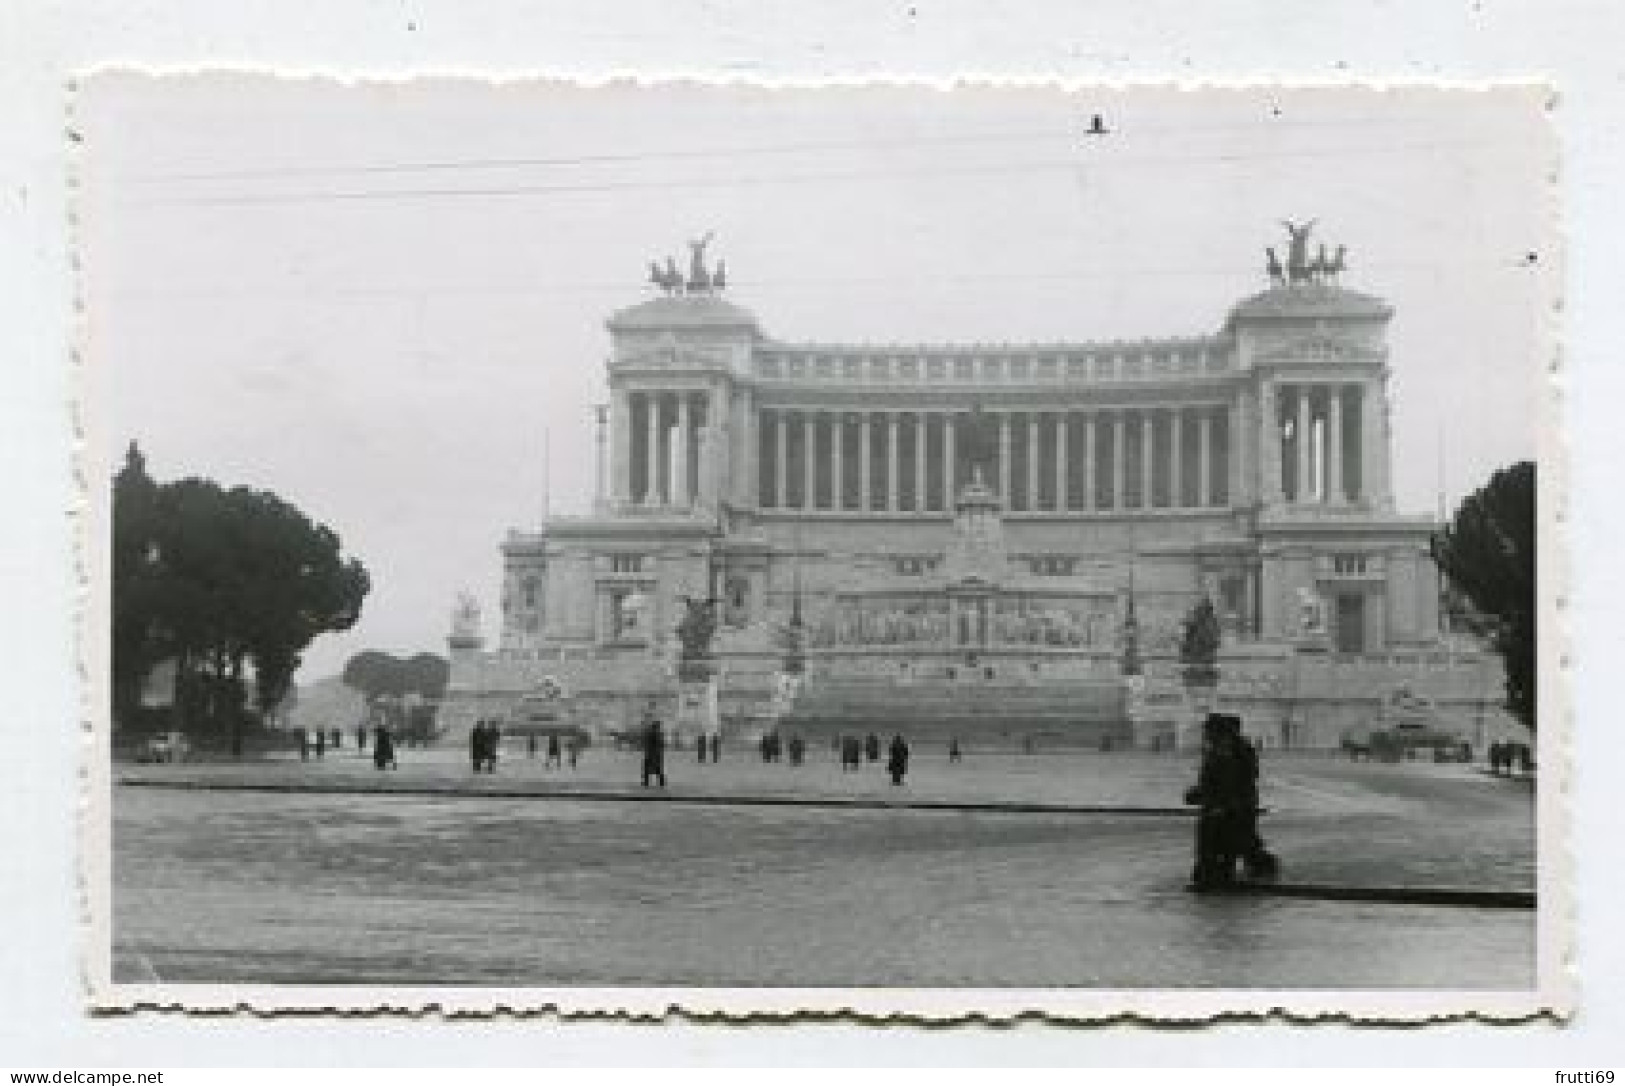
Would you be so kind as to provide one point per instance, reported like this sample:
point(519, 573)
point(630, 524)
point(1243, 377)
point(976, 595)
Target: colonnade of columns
point(1329, 450)
point(660, 452)
point(1164, 457)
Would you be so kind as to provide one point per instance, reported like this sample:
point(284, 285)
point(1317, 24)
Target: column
point(1004, 458)
point(682, 484)
point(744, 465)
point(781, 467)
point(600, 493)
point(1091, 461)
point(1244, 475)
point(1374, 445)
point(1148, 434)
point(920, 445)
point(809, 459)
point(837, 460)
point(709, 458)
point(865, 461)
point(948, 461)
point(1119, 469)
point(1271, 450)
point(1176, 458)
point(1334, 446)
point(1032, 460)
point(1204, 457)
point(1300, 438)
point(620, 434)
point(1061, 421)
point(891, 461)
point(651, 491)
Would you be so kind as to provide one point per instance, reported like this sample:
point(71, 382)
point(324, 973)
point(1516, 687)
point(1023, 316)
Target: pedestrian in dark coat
point(1221, 794)
point(871, 747)
point(383, 749)
point(654, 754)
point(1258, 861)
point(897, 759)
point(954, 753)
point(493, 742)
point(304, 745)
point(798, 749)
point(476, 745)
point(321, 742)
point(338, 738)
point(716, 748)
point(360, 737)
point(555, 753)
point(574, 746)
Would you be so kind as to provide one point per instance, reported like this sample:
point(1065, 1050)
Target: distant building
point(966, 529)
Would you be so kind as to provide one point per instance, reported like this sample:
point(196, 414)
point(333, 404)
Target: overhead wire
point(817, 177)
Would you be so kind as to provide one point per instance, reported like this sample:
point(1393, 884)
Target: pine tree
point(1487, 552)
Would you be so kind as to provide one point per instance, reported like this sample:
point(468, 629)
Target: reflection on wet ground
point(232, 886)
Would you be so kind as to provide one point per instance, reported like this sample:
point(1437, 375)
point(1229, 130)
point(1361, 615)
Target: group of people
point(484, 739)
point(318, 746)
point(1511, 758)
point(773, 746)
point(855, 751)
point(1226, 795)
point(556, 750)
point(710, 748)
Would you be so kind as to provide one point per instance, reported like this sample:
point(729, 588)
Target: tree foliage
point(378, 674)
point(1487, 552)
point(232, 584)
point(1199, 644)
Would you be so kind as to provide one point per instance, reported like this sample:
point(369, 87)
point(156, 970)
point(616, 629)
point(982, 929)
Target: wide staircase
point(1060, 714)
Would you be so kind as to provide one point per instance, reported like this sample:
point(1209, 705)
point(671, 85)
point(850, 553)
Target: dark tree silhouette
point(378, 674)
point(137, 641)
point(230, 584)
point(1487, 552)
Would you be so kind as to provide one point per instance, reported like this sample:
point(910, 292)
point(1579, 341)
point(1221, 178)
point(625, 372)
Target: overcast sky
point(377, 300)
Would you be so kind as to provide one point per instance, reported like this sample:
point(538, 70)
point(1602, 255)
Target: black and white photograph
point(987, 549)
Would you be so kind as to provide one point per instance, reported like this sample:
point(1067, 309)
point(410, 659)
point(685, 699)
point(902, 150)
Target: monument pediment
point(1318, 347)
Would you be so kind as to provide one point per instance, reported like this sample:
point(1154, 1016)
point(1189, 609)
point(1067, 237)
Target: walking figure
point(871, 747)
point(304, 745)
point(1226, 793)
point(555, 754)
point(716, 748)
point(476, 745)
point(654, 754)
point(798, 749)
point(897, 760)
point(383, 749)
point(575, 749)
point(321, 743)
point(954, 754)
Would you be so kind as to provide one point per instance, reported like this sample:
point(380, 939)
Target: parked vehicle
point(164, 747)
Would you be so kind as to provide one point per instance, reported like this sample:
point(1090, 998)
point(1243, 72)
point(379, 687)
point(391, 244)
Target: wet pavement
point(361, 888)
